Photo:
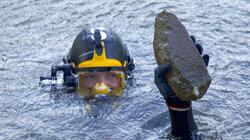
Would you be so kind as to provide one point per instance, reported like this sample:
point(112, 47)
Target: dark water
point(35, 35)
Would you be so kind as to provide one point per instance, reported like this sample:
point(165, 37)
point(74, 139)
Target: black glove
point(161, 83)
point(171, 99)
point(205, 57)
point(182, 121)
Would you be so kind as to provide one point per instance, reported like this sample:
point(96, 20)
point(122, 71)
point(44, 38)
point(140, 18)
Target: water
point(35, 35)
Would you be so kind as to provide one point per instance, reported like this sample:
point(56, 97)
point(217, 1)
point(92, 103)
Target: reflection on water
point(38, 34)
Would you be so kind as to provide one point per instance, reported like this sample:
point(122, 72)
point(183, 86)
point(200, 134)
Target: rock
point(188, 76)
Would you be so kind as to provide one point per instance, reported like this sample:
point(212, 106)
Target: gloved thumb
point(162, 70)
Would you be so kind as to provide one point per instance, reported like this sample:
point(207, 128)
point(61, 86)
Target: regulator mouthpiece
point(101, 96)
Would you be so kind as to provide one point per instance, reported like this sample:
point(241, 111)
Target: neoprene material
point(183, 125)
point(166, 91)
point(182, 120)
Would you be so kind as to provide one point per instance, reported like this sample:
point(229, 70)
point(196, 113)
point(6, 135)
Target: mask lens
point(90, 79)
point(94, 82)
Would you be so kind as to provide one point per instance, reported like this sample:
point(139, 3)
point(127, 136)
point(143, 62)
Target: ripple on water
point(37, 34)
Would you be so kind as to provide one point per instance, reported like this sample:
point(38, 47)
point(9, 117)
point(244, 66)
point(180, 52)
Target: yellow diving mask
point(101, 84)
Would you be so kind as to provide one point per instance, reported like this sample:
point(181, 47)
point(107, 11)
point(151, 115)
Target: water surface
point(34, 35)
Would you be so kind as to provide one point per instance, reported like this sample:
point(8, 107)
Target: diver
point(99, 64)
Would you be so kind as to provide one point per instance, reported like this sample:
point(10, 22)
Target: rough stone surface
point(188, 76)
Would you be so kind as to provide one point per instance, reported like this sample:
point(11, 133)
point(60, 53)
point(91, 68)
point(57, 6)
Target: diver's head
point(102, 62)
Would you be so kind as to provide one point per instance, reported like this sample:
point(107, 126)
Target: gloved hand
point(161, 71)
point(182, 121)
point(205, 57)
point(172, 100)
